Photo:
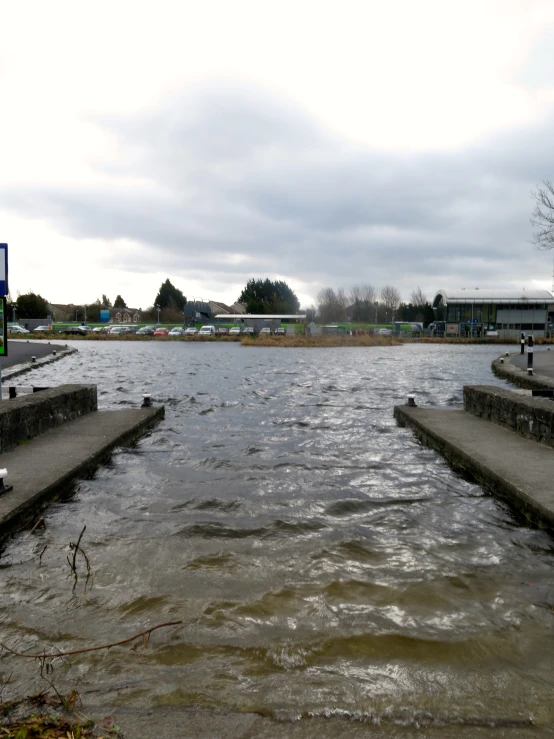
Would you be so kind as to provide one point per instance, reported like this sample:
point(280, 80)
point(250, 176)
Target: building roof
point(497, 297)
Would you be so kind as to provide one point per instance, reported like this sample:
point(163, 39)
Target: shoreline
point(300, 340)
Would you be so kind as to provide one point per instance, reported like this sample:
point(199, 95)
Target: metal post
point(530, 354)
point(522, 342)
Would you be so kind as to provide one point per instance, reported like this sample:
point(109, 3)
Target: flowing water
point(321, 561)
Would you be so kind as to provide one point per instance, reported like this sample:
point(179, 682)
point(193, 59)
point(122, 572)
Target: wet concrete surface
point(543, 362)
point(20, 351)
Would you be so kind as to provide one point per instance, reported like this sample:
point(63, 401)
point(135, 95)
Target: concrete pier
point(44, 468)
point(507, 464)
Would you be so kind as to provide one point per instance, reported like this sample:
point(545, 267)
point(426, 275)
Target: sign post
point(4, 290)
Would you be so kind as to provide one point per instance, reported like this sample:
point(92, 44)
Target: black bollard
point(530, 355)
point(3, 487)
point(522, 342)
point(13, 392)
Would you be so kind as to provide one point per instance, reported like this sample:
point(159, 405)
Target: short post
point(411, 401)
point(146, 400)
point(54, 352)
point(530, 355)
point(13, 392)
point(522, 343)
point(4, 488)
point(33, 359)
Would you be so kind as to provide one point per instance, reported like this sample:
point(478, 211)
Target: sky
point(320, 142)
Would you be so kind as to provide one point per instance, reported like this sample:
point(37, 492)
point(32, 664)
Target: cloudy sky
point(321, 142)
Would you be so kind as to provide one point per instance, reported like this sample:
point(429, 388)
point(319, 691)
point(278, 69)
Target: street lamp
point(157, 307)
point(376, 308)
point(85, 315)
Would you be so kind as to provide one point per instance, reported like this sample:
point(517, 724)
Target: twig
point(6, 681)
point(40, 558)
point(77, 547)
point(44, 655)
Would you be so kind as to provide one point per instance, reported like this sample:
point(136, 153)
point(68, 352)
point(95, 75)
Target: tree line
point(169, 299)
point(361, 303)
point(364, 303)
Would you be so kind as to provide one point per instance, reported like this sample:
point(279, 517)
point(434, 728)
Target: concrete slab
point(20, 351)
point(43, 468)
point(169, 723)
point(507, 464)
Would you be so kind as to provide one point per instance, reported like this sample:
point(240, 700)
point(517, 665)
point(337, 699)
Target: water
point(321, 561)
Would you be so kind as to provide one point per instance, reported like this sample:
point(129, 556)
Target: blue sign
point(104, 316)
point(3, 270)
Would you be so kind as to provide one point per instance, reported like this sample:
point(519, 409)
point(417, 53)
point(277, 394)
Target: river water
point(321, 561)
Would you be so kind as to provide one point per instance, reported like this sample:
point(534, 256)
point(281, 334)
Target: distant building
point(508, 312)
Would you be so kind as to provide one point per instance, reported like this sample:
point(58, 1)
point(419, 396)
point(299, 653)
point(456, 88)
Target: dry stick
point(77, 547)
point(91, 649)
point(38, 523)
point(40, 558)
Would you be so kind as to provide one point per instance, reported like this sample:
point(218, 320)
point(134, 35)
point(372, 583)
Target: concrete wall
point(30, 415)
point(528, 416)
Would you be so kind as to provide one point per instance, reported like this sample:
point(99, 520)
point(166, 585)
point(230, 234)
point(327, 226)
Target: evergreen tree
point(32, 306)
point(119, 302)
point(265, 296)
point(170, 297)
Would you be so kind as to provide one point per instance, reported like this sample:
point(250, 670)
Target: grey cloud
point(226, 170)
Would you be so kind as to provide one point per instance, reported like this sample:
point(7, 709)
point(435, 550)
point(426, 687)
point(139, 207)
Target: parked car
point(191, 331)
point(79, 330)
point(248, 331)
point(385, 332)
point(161, 331)
point(280, 331)
point(119, 330)
point(234, 331)
point(177, 331)
point(207, 331)
point(222, 331)
point(100, 330)
point(42, 329)
point(147, 331)
point(265, 330)
point(17, 329)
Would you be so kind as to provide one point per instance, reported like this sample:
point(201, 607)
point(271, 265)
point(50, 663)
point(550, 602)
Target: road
point(21, 350)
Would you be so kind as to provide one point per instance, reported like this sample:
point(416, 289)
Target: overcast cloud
point(221, 179)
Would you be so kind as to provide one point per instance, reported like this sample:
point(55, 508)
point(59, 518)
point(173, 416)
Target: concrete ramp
point(503, 461)
point(44, 466)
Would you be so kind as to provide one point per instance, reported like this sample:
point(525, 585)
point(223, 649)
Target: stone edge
point(508, 371)
point(20, 369)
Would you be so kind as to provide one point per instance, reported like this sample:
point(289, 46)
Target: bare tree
point(390, 297)
point(331, 305)
point(417, 297)
point(363, 292)
point(543, 216)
